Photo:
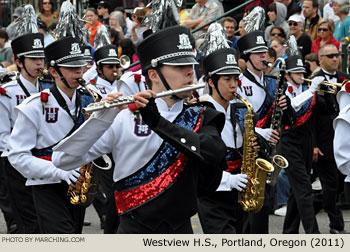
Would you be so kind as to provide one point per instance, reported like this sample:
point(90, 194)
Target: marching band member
point(259, 90)
point(164, 156)
point(29, 56)
point(296, 146)
point(219, 211)
point(108, 64)
point(331, 179)
point(43, 120)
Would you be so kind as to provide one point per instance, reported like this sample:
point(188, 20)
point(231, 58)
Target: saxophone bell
point(279, 162)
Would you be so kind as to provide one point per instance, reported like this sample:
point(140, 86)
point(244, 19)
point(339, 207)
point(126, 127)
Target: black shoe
point(87, 223)
point(335, 231)
point(103, 219)
point(12, 229)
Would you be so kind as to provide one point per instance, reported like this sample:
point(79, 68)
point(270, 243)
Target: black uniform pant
point(21, 200)
point(56, 214)
point(220, 213)
point(328, 174)
point(5, 203)
point(300, 201)
point(258, 223)
point(128, 225)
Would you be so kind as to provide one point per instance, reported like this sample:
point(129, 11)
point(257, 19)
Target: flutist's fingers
point(141, 99)
point(112, 96)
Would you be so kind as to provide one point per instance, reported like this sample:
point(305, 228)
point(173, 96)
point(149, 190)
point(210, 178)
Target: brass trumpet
point(328, 86)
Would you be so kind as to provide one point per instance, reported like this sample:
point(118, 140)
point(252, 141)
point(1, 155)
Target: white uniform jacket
point(103, 87)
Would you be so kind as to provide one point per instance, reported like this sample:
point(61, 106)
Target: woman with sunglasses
point(47, 12)
point(277, 32)
point(296, 28)
point(325, 36)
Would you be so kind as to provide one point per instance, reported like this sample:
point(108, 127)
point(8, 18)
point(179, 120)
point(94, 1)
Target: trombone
point(328, 86)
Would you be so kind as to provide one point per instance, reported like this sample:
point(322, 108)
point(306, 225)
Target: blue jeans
point(283, 188)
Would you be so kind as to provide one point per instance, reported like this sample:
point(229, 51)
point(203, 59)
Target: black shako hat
point(221, 62)
point(107, 55)
point(30, 45)
point(65, 52)
point(294, 64)
point(252, 42)
point(87, 53)
point(169, 46)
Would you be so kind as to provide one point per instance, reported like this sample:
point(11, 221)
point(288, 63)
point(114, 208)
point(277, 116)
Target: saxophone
point(252, 199)
point(85, 189)
point(279, 162)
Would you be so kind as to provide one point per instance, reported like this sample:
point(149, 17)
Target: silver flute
point(96, 106)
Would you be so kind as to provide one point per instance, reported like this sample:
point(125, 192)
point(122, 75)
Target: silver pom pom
point(292, 46)
point(102, 37)
point(27, 22)
point(214, 39)
point(255, 20)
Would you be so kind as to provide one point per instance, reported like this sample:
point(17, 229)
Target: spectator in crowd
point(135, 34)
point(93, 23)
point(312, 64)
point(241, 28)
point(325, 30)
point(48, 39)
point(292, 7)
point(280, 46)
point(5, 52)
point(128, 48)
point(114, 37)
point(103, 10)
point(47, 12)
point(114, 23)
point(201, 13)
point(341, 9)
point(328, 12)
point(183, 13)
point(230, 25)
point(277, 13)
point(127, 20)
point(312, 19)
point(270, 58)
point(296, 28)
point(277, 32)
point(11, 28)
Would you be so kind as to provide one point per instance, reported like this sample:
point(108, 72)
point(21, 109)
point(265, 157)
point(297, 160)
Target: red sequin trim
point(233, 165)
point(262, 122)
point(126, 200)
point(307, 115)
point(48, 158)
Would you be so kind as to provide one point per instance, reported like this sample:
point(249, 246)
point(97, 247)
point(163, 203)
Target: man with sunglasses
point(103, 10)
point(296, 28)
point(324, 134)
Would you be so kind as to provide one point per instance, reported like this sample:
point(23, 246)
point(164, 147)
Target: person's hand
point(69, 176)
point(317, 152)
point(255, 145)
point(282, 102)
point(268, 134)
point(112, 97)
point(238, 181)
point(146, 103)
point(315, 82)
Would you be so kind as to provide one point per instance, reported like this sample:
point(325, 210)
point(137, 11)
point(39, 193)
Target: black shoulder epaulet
point(203, 103)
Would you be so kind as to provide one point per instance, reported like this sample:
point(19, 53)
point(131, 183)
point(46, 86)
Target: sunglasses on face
point(46, 3)
point(331, 56)
point(276, 34)
point(111, 66)
point(322, 29)
point(293, 24)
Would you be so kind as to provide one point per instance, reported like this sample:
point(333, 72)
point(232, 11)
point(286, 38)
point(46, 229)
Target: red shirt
point(92, 31)
point(316, 44)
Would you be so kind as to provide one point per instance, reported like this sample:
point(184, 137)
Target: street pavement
point(276, 223)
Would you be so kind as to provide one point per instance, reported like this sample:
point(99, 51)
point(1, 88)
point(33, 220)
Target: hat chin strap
point(217, 88)
point(25, 69)
point(291, 78)
point(253, 64)
point(166, 85)
point(62, 77)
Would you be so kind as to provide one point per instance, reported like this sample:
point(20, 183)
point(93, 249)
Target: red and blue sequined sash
point(160, 172)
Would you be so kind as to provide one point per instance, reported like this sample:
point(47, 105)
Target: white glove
point(238, 181)
point(69, 176)
point(265, 133)
point(315, 82)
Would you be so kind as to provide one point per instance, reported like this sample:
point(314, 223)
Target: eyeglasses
point(276, 34)
point(293, 24)
point(323, 29)
point(99, 7)
point(46, 3)
point(332, 55)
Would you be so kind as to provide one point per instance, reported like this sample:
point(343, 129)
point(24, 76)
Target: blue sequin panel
point(240, 114)
point(233, 154)
point(271, 88)
point(85, 101)
point(46, 85)
point(42, 152)
point(165, 156)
